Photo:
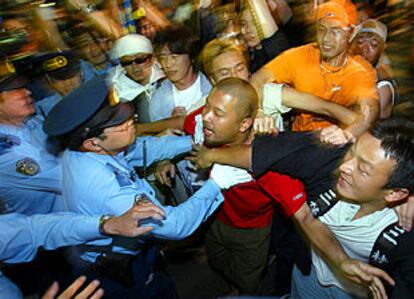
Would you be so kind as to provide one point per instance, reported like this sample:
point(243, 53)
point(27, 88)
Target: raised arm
point(305, 101)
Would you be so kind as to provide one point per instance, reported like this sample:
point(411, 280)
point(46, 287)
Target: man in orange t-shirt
point(326, 69)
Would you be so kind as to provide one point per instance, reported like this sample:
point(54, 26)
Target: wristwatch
point(102, 221)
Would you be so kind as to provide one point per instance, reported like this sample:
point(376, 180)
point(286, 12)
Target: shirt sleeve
point(21, 236)
point(402, 267)
point(157, 149)
point(183, 220)
point(288, 193)
point(48, 176)
point(281, 67)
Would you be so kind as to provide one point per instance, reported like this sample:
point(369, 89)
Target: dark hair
point(397, 140)
point(179, 40)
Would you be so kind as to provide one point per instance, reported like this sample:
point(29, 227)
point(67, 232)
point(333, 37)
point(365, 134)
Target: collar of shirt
point(129, 89)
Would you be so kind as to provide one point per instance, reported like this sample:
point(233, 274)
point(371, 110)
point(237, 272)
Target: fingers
point(73, 288)
point(148, 210)
point(376, 272)
point(264, 125)
point(51, 291)
point(379, 288)
point(89, 290)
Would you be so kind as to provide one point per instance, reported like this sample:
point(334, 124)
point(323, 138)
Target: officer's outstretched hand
point(227, 176)
point(91, 291)
point(127, 224)
point(367, 275)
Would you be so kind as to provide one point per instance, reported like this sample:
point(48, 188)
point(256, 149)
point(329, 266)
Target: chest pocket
point(123, 178)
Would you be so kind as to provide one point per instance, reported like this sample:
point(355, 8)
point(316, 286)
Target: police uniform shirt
point(30, 177)
point(102, 184)
point(21, 236)
point(300, 155)
point(89, 71)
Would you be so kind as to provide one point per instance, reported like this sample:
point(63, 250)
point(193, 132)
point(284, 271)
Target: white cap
point(131, 44)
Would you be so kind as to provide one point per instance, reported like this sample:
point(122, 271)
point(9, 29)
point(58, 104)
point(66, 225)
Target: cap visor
point(124, 112)
point(14, 82)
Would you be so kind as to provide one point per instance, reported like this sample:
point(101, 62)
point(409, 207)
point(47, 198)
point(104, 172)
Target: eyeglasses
point(138, 60)
point(163, 58)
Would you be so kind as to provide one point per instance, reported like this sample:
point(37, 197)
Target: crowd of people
point(124, 124)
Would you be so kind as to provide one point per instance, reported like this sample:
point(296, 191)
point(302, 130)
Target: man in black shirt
point(375, 173)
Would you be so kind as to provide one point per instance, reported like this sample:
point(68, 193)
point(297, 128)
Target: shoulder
point(359, 64)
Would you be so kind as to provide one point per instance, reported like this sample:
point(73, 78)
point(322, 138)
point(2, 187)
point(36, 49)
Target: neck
point(337, 61)
point(244, 138)
point(369, 208)
point(187, 81)
point(17, 122)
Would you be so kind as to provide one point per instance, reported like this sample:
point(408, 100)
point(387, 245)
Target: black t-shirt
point(300, 155)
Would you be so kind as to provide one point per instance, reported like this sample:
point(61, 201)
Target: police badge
point(27, 166)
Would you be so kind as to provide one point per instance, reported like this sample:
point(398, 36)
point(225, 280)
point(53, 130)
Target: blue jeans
point(308, 287)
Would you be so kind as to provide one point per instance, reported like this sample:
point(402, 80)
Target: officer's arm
point(153, 149)
point(21, 235)
point(183, 220)
point(28, 173)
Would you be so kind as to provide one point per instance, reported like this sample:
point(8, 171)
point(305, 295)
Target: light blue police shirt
point(97, 184)
point(30, 177)
point(21, 236)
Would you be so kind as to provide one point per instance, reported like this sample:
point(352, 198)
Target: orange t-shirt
point(301, 68)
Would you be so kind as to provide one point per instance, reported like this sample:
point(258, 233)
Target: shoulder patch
point(27, 166)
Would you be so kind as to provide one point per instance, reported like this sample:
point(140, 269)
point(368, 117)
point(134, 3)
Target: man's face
point(229, 64)
point(364, 171)
point(177, 67)
point(16, 104)
point(138, 67)
point(94, 50)
point(332, 38)
point(118, 137)
point(369, 45)
point(65, 86)
point(248, 30)
point(147, 29)
point(221, 121)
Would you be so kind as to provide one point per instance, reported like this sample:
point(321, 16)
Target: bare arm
point(305, 101)
point(259, 79)
point(367, 112)
point(326, 244)
point(204, 157)
point(152, 128)
point(99, 20)
point(385, 96)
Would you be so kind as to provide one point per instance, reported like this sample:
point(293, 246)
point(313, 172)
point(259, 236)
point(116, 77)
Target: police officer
point(99, 178)
point(62, 71)
point(30, 177)
point(21, 235)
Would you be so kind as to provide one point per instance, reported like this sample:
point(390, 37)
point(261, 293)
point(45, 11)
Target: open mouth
point(207, 131)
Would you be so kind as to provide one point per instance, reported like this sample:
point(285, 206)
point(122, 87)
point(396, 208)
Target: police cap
point(90, 108)
point(59, 65)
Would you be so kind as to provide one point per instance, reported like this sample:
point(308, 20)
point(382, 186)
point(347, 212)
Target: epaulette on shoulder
point(7, 141)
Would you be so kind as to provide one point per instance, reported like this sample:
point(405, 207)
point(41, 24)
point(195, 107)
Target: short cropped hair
point(243, 91)
point(397, 140)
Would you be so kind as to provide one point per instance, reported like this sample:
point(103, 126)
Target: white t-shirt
point(357, 238)
point(187, 97)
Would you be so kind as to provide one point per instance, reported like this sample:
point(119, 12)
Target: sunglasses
point(138, 60)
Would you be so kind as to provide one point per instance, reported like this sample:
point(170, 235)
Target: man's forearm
point(238, 156)
point(367, 113)
point(320, 237)
point(152, 128)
